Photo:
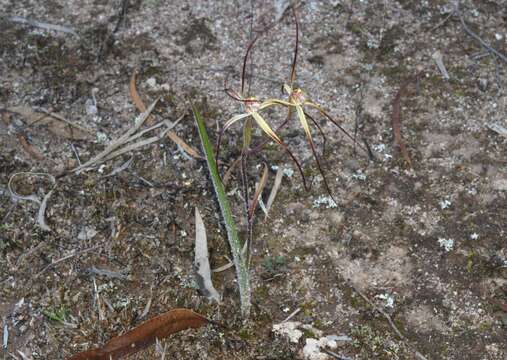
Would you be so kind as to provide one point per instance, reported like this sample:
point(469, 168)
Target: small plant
point(57, 314)
point(253, 107)
point(238, 255)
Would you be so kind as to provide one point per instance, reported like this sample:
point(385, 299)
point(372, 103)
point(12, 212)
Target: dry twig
point(417, 354)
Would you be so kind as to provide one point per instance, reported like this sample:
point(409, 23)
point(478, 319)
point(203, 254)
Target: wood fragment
point(396, 117)
point(43, 25)
point(498, 128)
point(145, 335)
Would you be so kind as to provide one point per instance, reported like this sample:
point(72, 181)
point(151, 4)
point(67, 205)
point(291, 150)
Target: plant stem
point(240, 261)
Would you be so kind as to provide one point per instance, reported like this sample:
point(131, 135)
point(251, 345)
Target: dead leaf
point(29, 148)
point(134, 95)
point(258, 192)
point(138, 102)
point(396, 118)
point(274, 190)
point(145, 334)
point(55, 123)
point(23, 141)
point(201, 260)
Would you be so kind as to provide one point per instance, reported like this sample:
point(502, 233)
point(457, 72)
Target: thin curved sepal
point(328, 117)
point(303, 121)
point(270, 102)
point(319, 167)
point(234, 119)
point(265, 126)
point(321, 132)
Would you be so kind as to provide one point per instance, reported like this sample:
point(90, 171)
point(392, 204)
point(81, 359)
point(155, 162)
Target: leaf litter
point(145, 334)
point(201, 260)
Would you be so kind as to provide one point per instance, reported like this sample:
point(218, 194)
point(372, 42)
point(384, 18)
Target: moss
point(246, 333)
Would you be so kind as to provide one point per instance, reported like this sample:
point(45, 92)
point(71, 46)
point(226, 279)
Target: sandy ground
point(425, 244)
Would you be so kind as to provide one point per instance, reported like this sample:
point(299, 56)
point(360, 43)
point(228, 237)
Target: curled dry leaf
point(145, 334)
point(138, 102)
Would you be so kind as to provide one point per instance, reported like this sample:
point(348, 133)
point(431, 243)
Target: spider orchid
point(299, 101)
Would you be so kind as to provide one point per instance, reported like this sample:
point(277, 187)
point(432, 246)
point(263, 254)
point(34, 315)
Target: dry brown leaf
point(258, 192)
point(55, 123)
point(136, 99)
point(134, 94)
point(145, 334)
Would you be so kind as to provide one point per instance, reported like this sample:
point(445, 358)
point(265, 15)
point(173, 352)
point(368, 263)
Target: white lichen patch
point(327, 201)
point(388, 300)
point(287, 170)
point(312, 349)
point(359, 175)
point(289, 329)
point(444, 204)
point(447, 244)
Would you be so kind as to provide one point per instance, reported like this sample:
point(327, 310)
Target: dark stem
point(294, 60)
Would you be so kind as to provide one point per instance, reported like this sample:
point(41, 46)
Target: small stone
point(151, 82)
point(483, 84)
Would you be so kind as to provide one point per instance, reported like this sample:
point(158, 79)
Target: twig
point(477, 37)
point(43, 25)
point(292, 314)
point(390, 321)
point(62, 119)
point(54, 263)
point(335, 355)
point(442, 22)
point(121, 275)
point(122, 167)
